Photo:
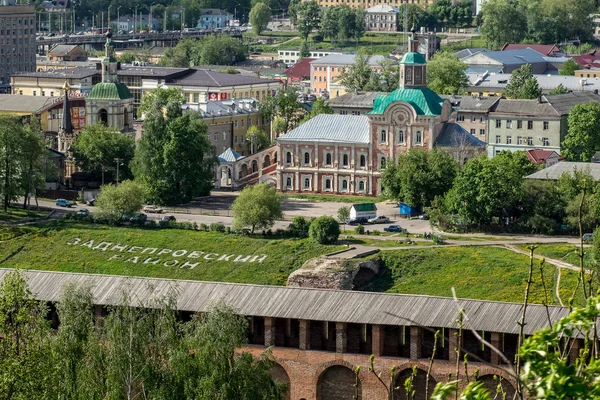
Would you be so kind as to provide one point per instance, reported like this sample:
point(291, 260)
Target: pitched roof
point(423, 100)
point(300, 70)
point(452, 134)
point(351, 100)
point(538, 156)
point(15, 103)
point(469, 52)
point(381, 8)
point(224, 107)
point(566, 167)
point(545, 49)
point(229, 155)
point(109, 91)
point(347, 59)
point(513, 57)
point(205, 77)
point(331, 128)
point(546, 82)
point(525, 107)
point(474, 104)
point(302, 303)
point(62, 49)
point(564, 102)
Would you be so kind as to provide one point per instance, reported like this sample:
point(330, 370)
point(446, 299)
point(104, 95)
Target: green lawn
point(486, 273)
point(16, 214)
point(48, 249)
point(474, 42)
point(562, 251)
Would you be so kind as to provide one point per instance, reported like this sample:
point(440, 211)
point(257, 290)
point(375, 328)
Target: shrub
point(217, 227)
point(164, 224)
point(324, 230)
point(359, 230)
point(151, 224)
point(317, 38)
point(299, 227)
point(203, 227)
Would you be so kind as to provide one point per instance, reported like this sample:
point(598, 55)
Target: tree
point(319, 107)
point(257, 206)
point(419, 176)
point(569, 67)
point(560, 89)
point(358, 75)
point(299, 226)
point(210, 50)
point(259, 17)
point(385, 80)
point(304, 50)
point(118, 201)
point(33, 166)
point(284, 105)
point(583, 137)
point(502, 23)
point(174, 159)
point(307, 15)
point(522, 84)
point(160, 98)
point(257, 139)
point(97, 148)
point(324, 230)
point(343, 214)
point(293, 11)
point(446, 74)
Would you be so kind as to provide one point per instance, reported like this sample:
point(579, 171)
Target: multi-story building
point(17, 42)
point(324, 71)
point(50, 83)
point(347, 154)
point(213, 18)
point(291, 56)
point(228, 123)
point(473, 114)
point(354, 103)
point(532, 124)
point(381, 18)
point(370, 3)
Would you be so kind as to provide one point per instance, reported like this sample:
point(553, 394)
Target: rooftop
point(300, 70)
point(545, 49)
point(468, 52)
point(538, 156)
point(423, 100)
point(482, 104)
point(453, 135)
point(525, 108)
point(204, 77)
point(302, 303)
point(153, 71)
point(213, 11)
point(69, 73)
point(353, 100)
point(346, 59)
point(109, 91)
point(224, 107)
point(564, 102)
point(30, 104)
point(62, 49)
point(331, 128)
point(229, 155)
point(546, 82)
point(512, 57)
point(380, 8)
point(566, 167)
point(413, 58)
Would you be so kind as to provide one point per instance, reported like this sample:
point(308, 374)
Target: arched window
point(126, 121)
point(363, 161)
point(328, 159)
point(306, 183)
point(383, 163)
point(344, 185)
point(327, 183)
point(288, 182)
point(345, 160)
point(400, 136)
point(103, 116)
point(383, 136)
point(361, 186)
point(419, 138)
point(288, 158)
point(307, 158)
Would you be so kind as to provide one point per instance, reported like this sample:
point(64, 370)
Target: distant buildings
point(291, 56)
point(213, 18)
point(17, 42)
point(508, 60)
point(64, 52)
point(365, 4)
point(381, 18)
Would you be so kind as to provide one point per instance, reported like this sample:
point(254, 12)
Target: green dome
point(413, 58)
point(109, 91)
point(423, 100)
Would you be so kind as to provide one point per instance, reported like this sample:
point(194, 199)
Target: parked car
point(63, 203)
point(153, 209)
point(357, 221)
point(587, 237)
point(312, 97)
point(393, 228)
point(91, 202)
point(380, 219)
point(85, 212)
point(139, 218)
point(424, 217)
point(168, 218)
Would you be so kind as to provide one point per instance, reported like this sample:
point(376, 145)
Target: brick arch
point(419, 383)
point(398, 109)
point(336, 382)
point(491, 384)
point(280, 374)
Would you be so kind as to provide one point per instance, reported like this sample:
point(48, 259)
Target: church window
point(418, 80)
point(400, 136)
point(363, 160)
point(328, 159)
point(419, 138)
point(307, 158)
point(345, 160)
point(288, 157)
point(383, 136)
point(383, 163)
point(361, 186)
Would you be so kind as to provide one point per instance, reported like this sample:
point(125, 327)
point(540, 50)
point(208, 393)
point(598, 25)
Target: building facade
point(370, 3)
point(291, 56)
point(326, 70)
point(381, 18)
point(473, 115)
point(213, 18)
point(17, 42)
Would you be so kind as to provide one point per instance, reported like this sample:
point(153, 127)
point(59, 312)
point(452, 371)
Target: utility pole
point(118, 161)
point(119, 16)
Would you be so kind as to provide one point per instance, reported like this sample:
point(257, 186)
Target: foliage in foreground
point(133, 353)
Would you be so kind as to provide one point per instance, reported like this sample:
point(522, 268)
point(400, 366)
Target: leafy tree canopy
point(307, 17)
point(324, 230)
point(118, 201)
point(257, 207)
point(569, 67)
point(446, 74)
point(211, 49)
point(259, 17)
point(522, 84)
point(583, 137)
point(560, 89)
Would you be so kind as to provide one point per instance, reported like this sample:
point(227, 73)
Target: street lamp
point(150, 18)
point(118, 161)
point(135, 17)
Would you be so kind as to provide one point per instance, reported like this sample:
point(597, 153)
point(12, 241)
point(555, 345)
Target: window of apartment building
point(419, 138)
point(361, 186)
point(216, 137)
point(545, 141)
point(355, 112)
point(345, 160)
point(481, 119)
point(35, 93)
point(472, 131)
point(249, 122)
point(472, 118)
point(235, 124)
point(196, 97)
point(530, 141)
point(546, 125)
point(343, 112)
point(306, 158)
point(460, 118)
point(508, 139)
point(288, 157)
point(482, 131)
point(400, 136)
point(498, 123)
point(519, 124)
point(519, 140)
point(363, 161)
point(43, 92)
point(529, 125)
point(383, 136)
point(236, 140)
point(224, 135)
point(508, 124)
point(498, 139)
point(242, 123)
point(306, 183)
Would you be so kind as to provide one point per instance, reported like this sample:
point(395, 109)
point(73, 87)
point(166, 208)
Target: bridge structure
point(125, 41)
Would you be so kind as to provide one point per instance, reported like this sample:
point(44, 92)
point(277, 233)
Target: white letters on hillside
point(151, 255)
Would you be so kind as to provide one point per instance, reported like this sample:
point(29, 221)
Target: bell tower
point(413, 67)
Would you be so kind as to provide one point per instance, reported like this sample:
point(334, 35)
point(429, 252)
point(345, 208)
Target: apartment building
point(17, 42)
point(370, 3)
point(324, 71)
point(292, 56)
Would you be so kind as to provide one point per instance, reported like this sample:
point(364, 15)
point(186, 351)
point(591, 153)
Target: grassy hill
point(478, 272)
point(217, 256)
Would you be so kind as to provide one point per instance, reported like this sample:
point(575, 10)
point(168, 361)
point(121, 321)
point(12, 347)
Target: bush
point(299, 227)
point(317, 38)
point(151, 224)
point(359, 230)
point(217, 227)
point(324, 230)
point(203, 227)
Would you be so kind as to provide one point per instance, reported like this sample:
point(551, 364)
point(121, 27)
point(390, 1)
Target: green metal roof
point(413, 58)
point(364, 207)
point(423, 100)
point(109, 91)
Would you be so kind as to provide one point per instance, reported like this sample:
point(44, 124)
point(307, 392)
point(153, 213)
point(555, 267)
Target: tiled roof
point(14, 103)
point(109, 91)
point(360, 100)
point(453, 134)
point(424, 101)
point(229, 155)
point(525, 107)
point(346, 59)
point(538, 156)
point(545, 49)
point(300, 70)
point(204, 77)
point(62, 49)
point(566, 167)
point(331, 128)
